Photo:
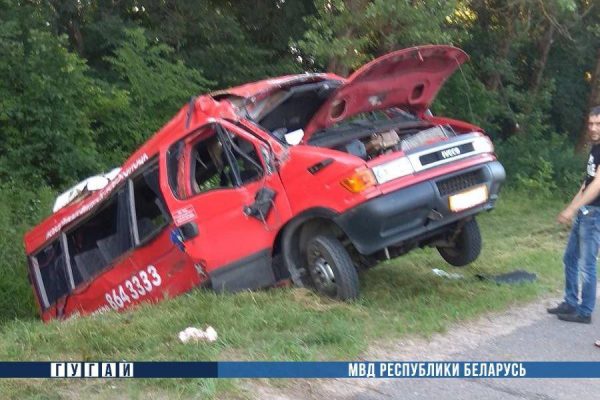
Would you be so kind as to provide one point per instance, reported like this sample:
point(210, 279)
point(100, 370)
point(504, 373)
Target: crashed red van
point(304, 178)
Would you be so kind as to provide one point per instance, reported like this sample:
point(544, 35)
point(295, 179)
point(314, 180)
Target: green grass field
point(400, 297)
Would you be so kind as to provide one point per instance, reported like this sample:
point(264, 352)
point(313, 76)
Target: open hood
point(408, 78)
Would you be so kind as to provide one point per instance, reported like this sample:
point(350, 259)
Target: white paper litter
point(444, 274)
point(192, 334)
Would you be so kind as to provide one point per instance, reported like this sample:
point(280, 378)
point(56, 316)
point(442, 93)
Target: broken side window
point(95, 243)
point(217, 159)
point(50, 273)
point(150, 210)
point(175, 168)
point(244, 156)
point(209, 167)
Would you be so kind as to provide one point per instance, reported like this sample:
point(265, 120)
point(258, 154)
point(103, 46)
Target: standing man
point(584, 241)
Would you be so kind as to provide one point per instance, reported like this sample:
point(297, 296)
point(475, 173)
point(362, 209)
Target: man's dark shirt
point(592, 166)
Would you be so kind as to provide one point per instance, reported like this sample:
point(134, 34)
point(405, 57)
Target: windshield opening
point(287, 110)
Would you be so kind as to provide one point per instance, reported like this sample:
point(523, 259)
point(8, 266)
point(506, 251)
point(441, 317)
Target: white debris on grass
point(444, 274)
point(192, 334)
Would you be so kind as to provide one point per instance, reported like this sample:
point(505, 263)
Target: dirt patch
point(310, 300)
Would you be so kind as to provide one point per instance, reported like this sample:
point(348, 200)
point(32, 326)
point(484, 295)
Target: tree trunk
point(495, 79)
point(336, 64)
point(68, 17)
point(76, 36)
point(593, 101)
point(545, 47)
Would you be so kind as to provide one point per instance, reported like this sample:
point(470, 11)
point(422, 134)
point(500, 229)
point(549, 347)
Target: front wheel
point(331, 269)
point(467, 245)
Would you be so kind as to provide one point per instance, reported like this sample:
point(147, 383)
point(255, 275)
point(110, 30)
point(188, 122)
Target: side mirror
point(294, 137)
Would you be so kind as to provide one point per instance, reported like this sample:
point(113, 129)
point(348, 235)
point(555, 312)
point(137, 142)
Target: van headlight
point(392, 170)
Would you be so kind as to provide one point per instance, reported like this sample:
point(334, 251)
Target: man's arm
point(581, 199)
point(577, 197)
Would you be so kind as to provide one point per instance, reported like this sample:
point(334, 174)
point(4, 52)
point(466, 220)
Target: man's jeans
point(580, 260)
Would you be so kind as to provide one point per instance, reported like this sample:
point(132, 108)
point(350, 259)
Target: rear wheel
point(467, 245)
point(331, 269)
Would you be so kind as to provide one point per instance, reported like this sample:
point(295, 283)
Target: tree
point(592, 34)
point(151, 86)
point(45, 97)
point(221, 39)
point(345, 34)
point(593, 101)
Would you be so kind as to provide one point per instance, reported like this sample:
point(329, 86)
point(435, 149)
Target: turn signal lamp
point(360, 180)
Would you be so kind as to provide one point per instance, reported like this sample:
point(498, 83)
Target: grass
point(399, 297)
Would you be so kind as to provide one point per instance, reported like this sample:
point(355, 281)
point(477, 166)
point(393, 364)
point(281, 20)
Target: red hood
point(409, 78)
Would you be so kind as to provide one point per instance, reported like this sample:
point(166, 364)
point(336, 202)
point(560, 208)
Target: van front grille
point(460, 182)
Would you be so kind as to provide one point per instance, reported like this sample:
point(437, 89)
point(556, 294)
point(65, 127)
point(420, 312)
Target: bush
point(544, 165)
point(20, 209)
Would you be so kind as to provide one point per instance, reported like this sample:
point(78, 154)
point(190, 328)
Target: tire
point(279, 270)
point(466, 248)
point(331, 269)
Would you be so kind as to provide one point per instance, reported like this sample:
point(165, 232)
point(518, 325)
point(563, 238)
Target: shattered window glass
point(50, 262)
point(97, 242)
point(150, 210)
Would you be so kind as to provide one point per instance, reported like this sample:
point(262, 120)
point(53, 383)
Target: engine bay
point(366, 135)
point(369, 139)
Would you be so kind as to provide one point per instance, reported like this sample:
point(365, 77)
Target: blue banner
point(311, 369)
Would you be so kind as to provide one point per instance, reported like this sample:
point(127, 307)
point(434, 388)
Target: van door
point(228, 201)
point(161, 269)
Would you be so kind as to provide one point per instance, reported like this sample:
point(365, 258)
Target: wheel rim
point(322, 274)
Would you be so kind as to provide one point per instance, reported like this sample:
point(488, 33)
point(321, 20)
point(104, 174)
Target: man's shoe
point(562, 308)
point(575, 318)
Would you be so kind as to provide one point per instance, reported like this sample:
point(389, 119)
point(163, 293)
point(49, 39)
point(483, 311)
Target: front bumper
point(418, 210)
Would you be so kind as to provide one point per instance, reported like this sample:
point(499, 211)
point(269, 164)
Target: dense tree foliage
point(45, 132)
point(88, 81)
point(85, 82)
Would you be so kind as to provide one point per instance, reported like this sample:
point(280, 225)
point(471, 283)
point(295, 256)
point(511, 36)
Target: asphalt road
point(545, 339)
point(524, 333)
